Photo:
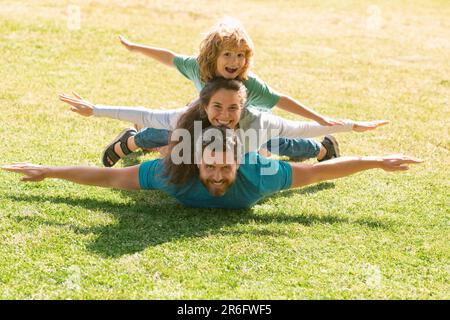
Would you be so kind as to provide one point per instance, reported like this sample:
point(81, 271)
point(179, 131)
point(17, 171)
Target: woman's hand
point(324, 121)
point(361, 126)
point(78, 104)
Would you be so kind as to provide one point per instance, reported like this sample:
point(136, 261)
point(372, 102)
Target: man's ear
point(238, 162)
point(240, 157)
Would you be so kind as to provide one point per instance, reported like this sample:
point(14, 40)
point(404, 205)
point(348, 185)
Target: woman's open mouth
point(223, 123)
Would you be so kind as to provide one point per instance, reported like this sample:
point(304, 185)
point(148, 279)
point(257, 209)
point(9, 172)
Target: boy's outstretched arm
point(123, 178)
point(291, 105)
point(162, 55)
point(304, 174)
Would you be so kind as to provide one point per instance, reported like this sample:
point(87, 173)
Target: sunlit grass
point(373, 235)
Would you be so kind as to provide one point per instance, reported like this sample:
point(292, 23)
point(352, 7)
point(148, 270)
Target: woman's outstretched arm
point(158, 119)
point(306, 129)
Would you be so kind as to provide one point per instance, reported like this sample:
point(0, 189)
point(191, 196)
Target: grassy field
point(370, 236)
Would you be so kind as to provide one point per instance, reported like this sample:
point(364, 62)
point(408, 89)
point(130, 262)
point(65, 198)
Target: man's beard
point(217, 191)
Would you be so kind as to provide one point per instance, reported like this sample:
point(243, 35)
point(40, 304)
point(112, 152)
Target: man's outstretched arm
point(122, 178)
point(304, 174)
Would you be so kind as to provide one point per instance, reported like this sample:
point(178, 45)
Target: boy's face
point(224, 108)
point(230, 63)
point(217, 173)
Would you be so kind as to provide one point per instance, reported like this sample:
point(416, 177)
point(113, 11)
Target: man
point(220, 178)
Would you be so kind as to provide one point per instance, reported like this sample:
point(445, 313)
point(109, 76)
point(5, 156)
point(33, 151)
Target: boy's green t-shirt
point(259, 94)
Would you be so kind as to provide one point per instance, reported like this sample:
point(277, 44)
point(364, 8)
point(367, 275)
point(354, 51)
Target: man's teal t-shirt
point(251, 185)
point(259, 94)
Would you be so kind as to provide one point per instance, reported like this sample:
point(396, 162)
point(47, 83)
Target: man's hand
point(30, 171)
point(79, 105)
point(361, 126)
point(127, 44)
point(397, 162)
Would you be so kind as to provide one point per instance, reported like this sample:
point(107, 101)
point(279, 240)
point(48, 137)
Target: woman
point(221, 102)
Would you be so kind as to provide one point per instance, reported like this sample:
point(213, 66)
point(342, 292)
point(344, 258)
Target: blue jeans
point(294, 148)
point(149, 138)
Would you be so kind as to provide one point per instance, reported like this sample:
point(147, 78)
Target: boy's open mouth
point(231, 70)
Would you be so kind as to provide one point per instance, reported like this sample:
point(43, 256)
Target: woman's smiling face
point(225, 108)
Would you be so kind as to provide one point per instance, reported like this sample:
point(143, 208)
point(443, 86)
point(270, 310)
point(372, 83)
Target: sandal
point(109, 156)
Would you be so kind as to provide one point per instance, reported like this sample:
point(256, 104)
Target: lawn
point(370, 236)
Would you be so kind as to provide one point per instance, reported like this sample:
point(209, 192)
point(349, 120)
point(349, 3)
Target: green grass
point(372, 235)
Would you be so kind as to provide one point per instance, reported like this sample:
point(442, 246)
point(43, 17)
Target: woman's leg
point(302, 149)
point(149, 138)
point(128, 142)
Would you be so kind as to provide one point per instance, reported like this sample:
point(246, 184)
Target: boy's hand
point(397, 162)
point(79, 105)
point(361, 126)
point(127, 44)
point(30, 171)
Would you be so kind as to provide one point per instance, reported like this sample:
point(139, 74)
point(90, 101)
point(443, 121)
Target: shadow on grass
point(154, 218)
point(132, 159)
point(306, 190)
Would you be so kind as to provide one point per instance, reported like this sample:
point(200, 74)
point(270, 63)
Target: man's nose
point(217, 176)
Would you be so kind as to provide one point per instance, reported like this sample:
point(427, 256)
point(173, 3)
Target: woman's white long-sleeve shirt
point(253, 123)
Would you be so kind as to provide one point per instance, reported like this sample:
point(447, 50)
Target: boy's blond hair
point(227, 34)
